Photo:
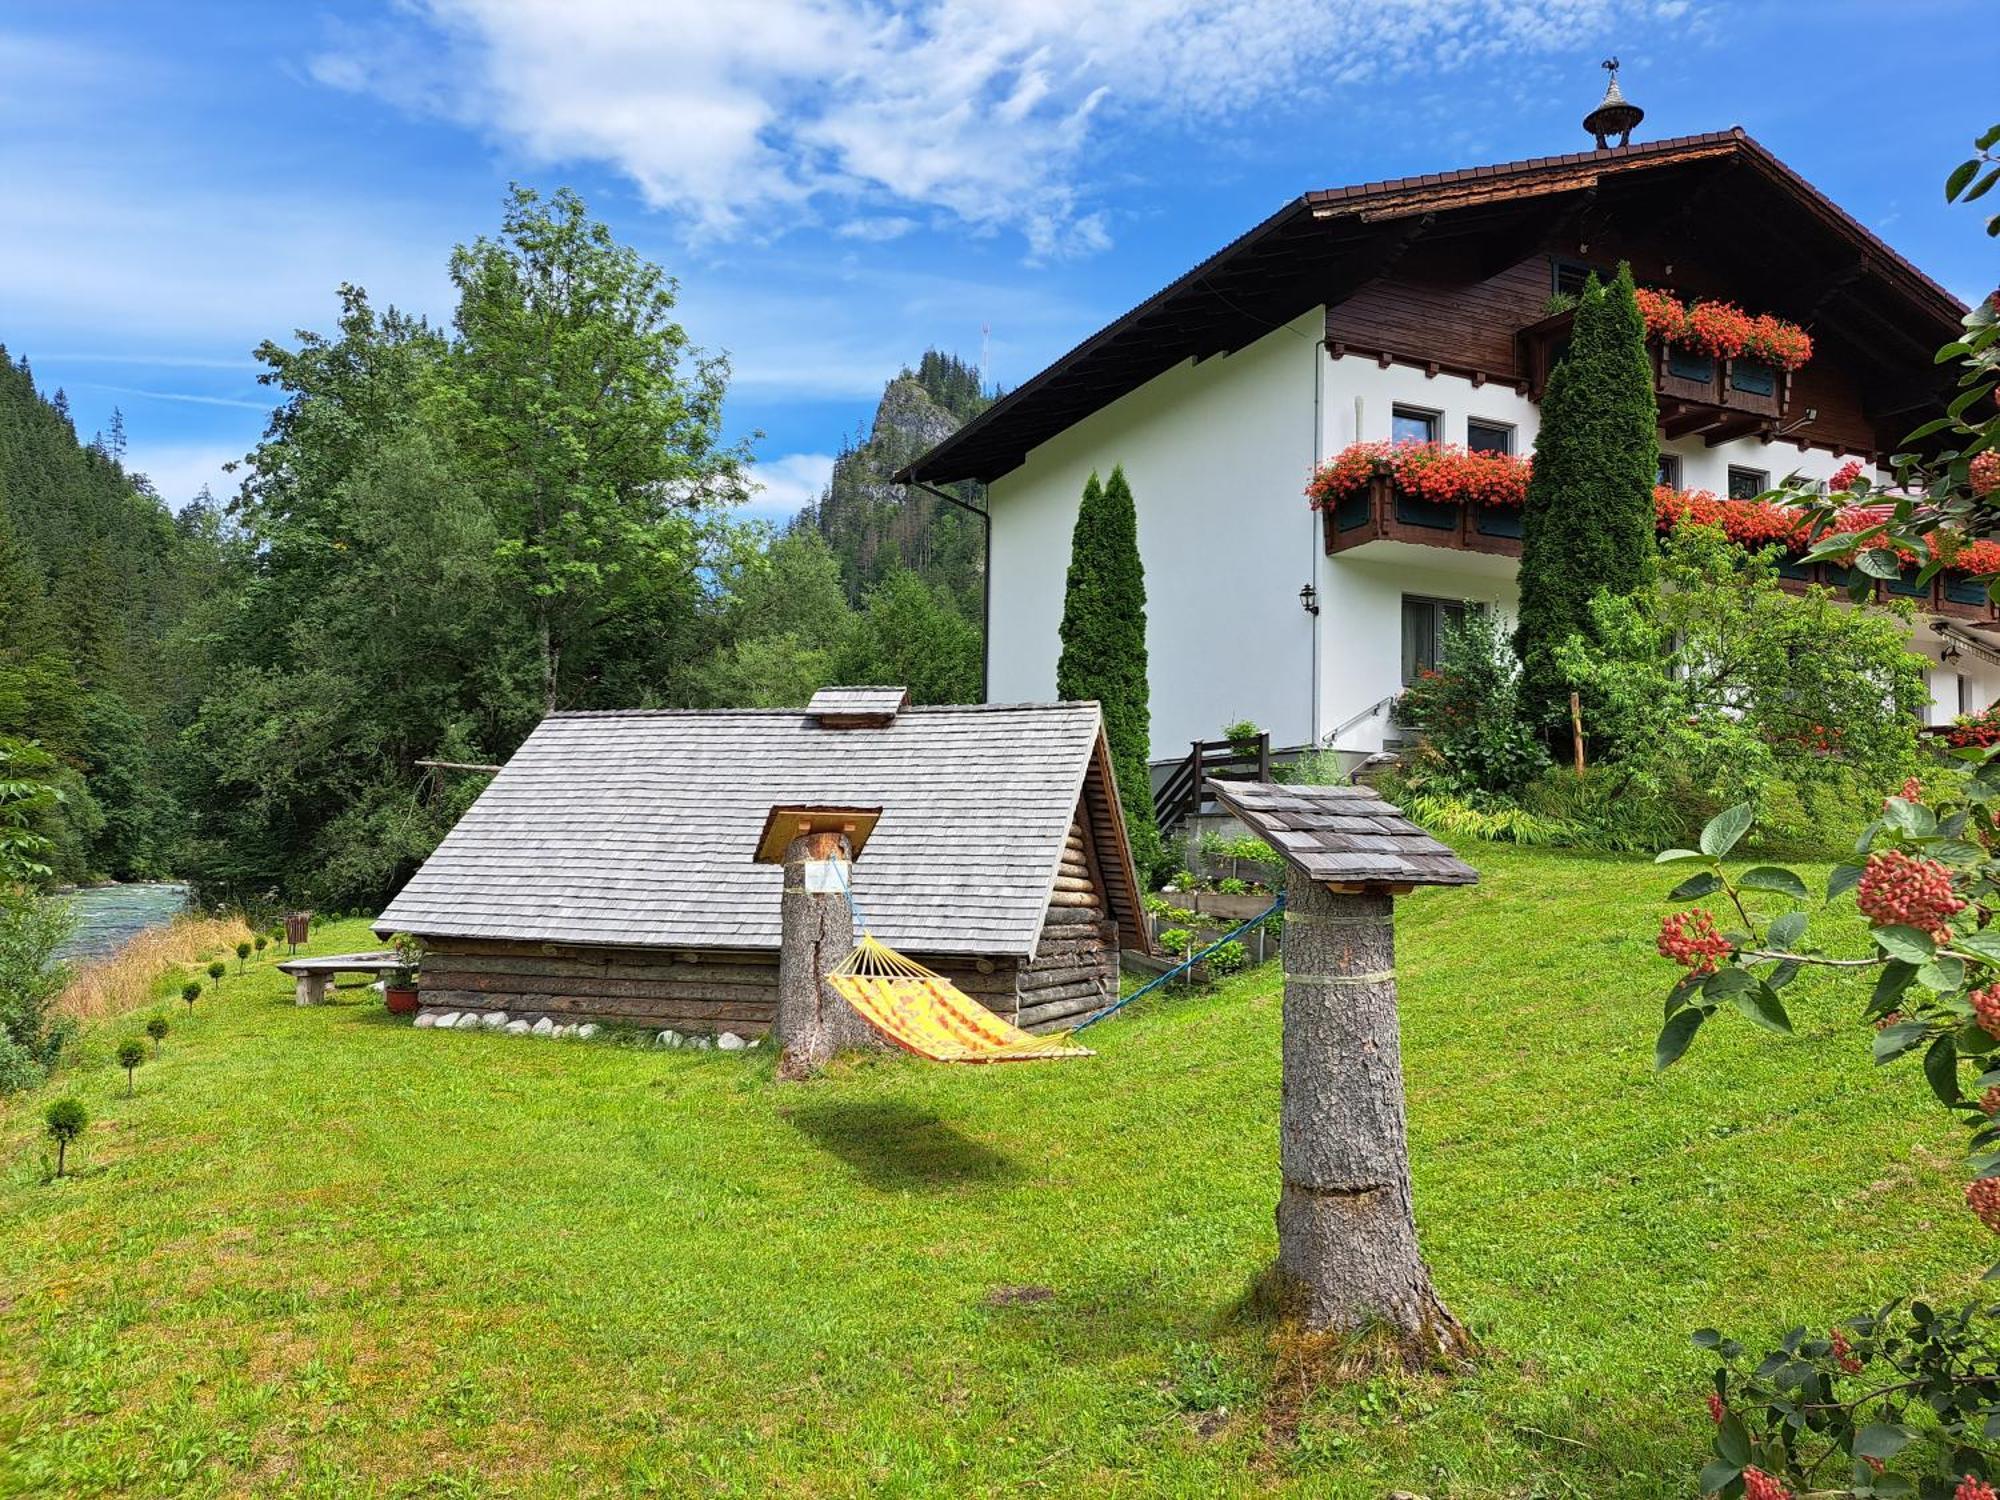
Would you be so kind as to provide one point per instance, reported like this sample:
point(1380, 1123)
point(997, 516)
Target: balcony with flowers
point(1441, 495)
point(1719, 371)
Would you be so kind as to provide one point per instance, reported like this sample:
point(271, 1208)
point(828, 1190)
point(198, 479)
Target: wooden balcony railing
point(1384, 513)
point(1185, 790)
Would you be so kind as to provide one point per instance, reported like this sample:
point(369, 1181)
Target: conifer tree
point(1104, 646)
point(1588, 521)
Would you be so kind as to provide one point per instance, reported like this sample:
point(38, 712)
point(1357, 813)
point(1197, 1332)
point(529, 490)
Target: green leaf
point(1906, 943)
point(1725, 829)
point(1774, 878)
point(1842, 878)
point(1727, 984)
point(1984, 944)
point(1675, 1036)
point(1879, 562)
point(1912, 818)
point(1732, 1440)
point(1893, 1042)
point(1717, 1475)
point(1706, 1338)
point(1941, 1071)
point(1669, 856)
point(1706, 883)
point(1983, 186)
point(1786, 930)
point(1961, 174)
point(1942, 974)
point(1896, 977)
point(1881, 1440)
point(1762, 1005)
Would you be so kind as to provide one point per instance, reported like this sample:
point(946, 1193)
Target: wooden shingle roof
point(1342, 835)
point(638, 829)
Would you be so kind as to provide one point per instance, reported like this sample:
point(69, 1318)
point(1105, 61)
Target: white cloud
point(749, 117)
point(179, 470)
point(785, 484)
point(877, 231)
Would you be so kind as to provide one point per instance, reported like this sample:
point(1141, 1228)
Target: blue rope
point(1181, 968)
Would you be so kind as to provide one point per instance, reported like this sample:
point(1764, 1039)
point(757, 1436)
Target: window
point(1670, 471)
point(1410, 424)
point(1424, 623)
point(1747, 484)
point(1489, 437)
point(1570, 276)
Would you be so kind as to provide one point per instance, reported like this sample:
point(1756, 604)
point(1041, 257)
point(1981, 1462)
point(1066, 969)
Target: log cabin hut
point(608, 872)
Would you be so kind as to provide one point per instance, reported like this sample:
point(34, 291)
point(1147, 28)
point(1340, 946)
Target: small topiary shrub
point(131, 1052)
point(191, 992)
point(157, 1030)
point(260, 943)
point(66, 1119)
point(242, 956)
point(216, 970)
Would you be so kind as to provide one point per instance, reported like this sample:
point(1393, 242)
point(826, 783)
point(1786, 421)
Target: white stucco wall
point(1217, 454)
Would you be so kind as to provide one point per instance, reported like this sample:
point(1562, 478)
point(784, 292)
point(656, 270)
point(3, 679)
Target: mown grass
point(324, 1253)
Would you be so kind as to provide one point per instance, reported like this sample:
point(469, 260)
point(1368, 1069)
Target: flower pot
point(401, 999)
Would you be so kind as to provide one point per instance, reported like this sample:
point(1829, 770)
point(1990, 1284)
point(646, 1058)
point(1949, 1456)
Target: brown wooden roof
point(1342, 835)
point(1791, 249)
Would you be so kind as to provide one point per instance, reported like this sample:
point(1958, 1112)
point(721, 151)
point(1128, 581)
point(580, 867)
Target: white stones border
point(436, 1018)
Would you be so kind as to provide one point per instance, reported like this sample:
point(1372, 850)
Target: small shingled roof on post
point(1348, 1258)
point(1343, 836)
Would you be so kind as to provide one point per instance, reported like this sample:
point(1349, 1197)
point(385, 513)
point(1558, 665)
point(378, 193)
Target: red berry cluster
point(1715, 1408)
point(1986, 1008)
point(1971, 1488)
point(1894, 1018)
point(1982, 1196)
point(1985, 472)
point(1690, 939)
point(1843, 1353)
point(1898, 887)
point(1757, 1485)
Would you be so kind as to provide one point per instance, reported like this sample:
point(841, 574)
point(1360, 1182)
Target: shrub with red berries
point(1971, 1487)
point(1986, 1008)
point(1982, 1196)
point(1757, 1485)
point(1899, 889)
point(1690, 939)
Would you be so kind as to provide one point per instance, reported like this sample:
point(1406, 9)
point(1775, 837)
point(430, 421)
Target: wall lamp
point(1309, 599)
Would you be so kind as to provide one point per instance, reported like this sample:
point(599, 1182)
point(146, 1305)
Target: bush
point(65, 1119)
point(1228, 958)
point(32, 1033)
point(131, 1053)
point(242, 956)
point(216, 970)
point(191, 992)
point(1468, 710)
point(157, 1029)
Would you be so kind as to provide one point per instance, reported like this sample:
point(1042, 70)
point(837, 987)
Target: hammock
point(927, 1014)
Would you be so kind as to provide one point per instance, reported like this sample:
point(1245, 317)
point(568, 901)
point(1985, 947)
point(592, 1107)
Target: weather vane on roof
point(1615, 114)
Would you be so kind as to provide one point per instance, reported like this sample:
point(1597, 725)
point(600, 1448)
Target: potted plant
point(399, 987)
point(1243, 736)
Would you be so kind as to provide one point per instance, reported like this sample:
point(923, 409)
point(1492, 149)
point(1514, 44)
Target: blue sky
point(840, 183)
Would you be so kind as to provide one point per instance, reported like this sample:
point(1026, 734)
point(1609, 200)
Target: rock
point(670, 1038)
point(493, 1020)
point(563, 1033)
point(700, 1043)
point(517, 1028)
point(469, 1021)
point(729, 1041)
point(426, 1018)
point(544, 1027)
point(444, 1020)
point(588, 1030)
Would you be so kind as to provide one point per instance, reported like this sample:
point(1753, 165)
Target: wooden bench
point(313, 975)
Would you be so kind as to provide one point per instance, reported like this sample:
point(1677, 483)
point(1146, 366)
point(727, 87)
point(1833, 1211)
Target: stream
point(108, 916)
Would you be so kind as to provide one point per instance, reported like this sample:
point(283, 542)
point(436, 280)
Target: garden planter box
point(401, 1001)
point(1232, 909)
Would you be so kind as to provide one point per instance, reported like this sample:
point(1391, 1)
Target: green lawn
point(322, 1252)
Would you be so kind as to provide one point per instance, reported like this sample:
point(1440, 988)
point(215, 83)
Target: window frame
point(1508, 428)
point(1669, 471)
point(1400, 411)
point(1729, 483)
point(1438, 606)
point(1559, 264)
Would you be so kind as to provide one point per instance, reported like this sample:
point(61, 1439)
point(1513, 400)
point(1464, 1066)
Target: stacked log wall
point(706, 990)
point(1075, 968)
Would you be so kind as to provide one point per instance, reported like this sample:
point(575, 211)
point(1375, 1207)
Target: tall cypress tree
point(1104, 646)
point(1588, 521)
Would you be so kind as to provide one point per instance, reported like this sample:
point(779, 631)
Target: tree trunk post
point(817, 931)
point(1347, 1233)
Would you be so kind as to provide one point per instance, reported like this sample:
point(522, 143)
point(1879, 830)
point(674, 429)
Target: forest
point(445, 532)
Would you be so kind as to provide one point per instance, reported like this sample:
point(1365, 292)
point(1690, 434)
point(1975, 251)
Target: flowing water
point(108, 916)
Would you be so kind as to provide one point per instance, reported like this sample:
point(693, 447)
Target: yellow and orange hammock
point(927, 1014)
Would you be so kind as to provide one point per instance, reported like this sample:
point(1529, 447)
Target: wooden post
point(817, 930)
point(1576, 729)
point(1347, 1230)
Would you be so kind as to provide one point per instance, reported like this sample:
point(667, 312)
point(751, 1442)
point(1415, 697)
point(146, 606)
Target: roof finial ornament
point(1614, 115)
